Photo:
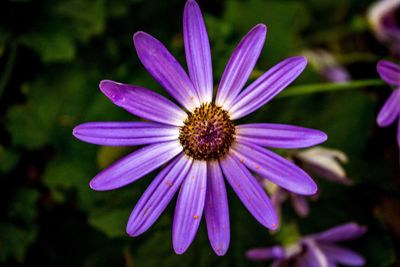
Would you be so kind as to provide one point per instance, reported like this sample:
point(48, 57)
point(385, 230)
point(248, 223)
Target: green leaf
point(19, 230)
point(8, 159)
point(14, 241)
point(111, 222)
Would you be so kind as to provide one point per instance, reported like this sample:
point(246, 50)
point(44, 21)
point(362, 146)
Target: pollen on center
point(207, 133)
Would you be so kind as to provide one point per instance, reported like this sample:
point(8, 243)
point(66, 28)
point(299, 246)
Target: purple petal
point(249, 191)
point(342, 232)
point(277, 199)
point(157, 196)
point(279, 135)
point(267, 86)
point(197, 48)
point(240, 66)
point(135, 165)
point(143, 103)
point(166, 70)
point(342, 256)
point(189, 207)
point(390, 110)
point(216, 209)
point(300, 205)
point(314, 257)
point(261, 254)
point(125, 133)
point(275, 168)
point(389, 72)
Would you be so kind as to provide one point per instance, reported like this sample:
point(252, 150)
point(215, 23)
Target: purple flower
point(317, 250)
point(299, 203)
point(327, 66)
point(390, 111)
point(199, 139)
point(383, 16)
point(324, 162)
point(319, 161)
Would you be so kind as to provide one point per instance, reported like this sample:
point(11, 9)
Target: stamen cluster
point(207, 133)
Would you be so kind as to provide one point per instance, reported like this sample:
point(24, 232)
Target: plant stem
point(5, 76)
point(329, 87)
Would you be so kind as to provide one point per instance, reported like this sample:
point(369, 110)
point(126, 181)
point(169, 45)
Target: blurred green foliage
point(53, 55)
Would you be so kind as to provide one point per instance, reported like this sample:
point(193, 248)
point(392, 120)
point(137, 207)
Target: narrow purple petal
point(157, 196)
point(389, 72)
point(240, 66)
point(390, 110)
point(216, 209)
point(267, 86)
point(275, 168)
point(342, 255)
point(166, 70)
point(249, 191)
point(125, 133)
point(342, 232)
point(261, 254)
point(143, 103)
point(135, 165)
point(279, 135)
point(278, 197)
point(197, 48)
point(314, 257)
point(300, 205)
point(189, 207)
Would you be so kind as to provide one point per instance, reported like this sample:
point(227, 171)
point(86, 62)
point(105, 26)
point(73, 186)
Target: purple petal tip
point(75, 132)
point(179, 250)
point(261, 26)
point(112, 90)
point(138, 34)
point(324, 137)
point(94, 185)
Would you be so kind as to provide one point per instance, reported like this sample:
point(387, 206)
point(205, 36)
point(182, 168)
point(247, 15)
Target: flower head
point(319, 161)
point(383, 16)
point(324, 162)
point(198, 139)
point(390, 111)
point(317, 250)
point(327, 66)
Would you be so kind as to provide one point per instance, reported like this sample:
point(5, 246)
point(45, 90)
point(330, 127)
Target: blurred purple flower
point(390, 111)
point(200, 138)
point(299, 203)
point(317, 250)
point(384, 19)
point(319, 161)
point(324, 162)
point(327, 66)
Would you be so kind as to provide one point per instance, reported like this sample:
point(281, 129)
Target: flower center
point(208, 133)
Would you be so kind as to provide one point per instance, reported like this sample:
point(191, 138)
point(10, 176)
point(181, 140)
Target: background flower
point(390, 111)
point(316, 250)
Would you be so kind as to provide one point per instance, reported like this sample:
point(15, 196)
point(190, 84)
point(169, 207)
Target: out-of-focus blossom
point(324, 162)
point(316, 250)
point(327, 66)
point(319, 161)
point(390, 111)
point(198, 140)
point(383, 17)
point(280, 195)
